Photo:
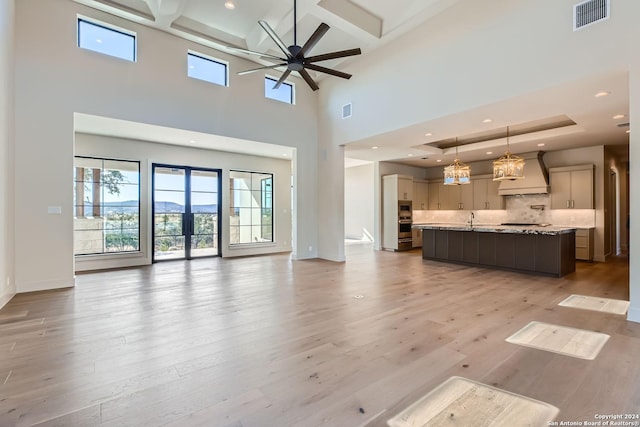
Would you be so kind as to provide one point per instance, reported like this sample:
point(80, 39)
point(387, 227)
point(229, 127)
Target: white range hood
point(536, 178)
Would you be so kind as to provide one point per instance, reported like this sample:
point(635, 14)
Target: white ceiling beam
point(166, 11)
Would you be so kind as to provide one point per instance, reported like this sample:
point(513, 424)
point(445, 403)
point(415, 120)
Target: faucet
point(471, 219)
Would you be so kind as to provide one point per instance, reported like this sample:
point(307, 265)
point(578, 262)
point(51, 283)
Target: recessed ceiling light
point(439, 160)
point(428, 134)
point(230, 5)
point(489, 152)
point(192, 141)
point(618, 116)
point(375, 147)
point(541, 144)
point(410, 155)
point(602, 93)
point(98, 40)
point(487, 120)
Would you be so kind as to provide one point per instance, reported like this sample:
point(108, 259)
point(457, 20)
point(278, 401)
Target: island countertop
point(550, 230)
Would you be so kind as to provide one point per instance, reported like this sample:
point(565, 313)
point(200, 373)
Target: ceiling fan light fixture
point(295, 58)
point(509, 167)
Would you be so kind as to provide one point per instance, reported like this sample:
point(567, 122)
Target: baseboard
point(633, 315)
point(5, 299)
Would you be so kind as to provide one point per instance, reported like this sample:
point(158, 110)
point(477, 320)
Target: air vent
point(346, 111)
point(589, 12)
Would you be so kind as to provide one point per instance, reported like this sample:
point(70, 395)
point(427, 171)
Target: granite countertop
point(496, 228)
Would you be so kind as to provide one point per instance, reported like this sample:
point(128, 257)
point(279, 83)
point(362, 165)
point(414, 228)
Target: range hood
point(536, 178)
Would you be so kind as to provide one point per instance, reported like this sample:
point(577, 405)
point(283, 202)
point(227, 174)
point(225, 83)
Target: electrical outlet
point(310, 248)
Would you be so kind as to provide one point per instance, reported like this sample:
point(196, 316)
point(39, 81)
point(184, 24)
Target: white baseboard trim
point(5, 299)
point(633, 315)
point(46, 285)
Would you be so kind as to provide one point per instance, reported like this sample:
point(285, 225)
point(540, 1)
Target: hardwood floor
point(267, 341)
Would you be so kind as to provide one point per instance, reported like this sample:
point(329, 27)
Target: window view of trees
point(251, 215)
point(107, 206)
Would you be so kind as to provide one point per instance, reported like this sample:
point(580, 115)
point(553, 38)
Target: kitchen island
point(545, 250)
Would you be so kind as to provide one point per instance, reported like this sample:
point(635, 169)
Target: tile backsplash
point(518, 209)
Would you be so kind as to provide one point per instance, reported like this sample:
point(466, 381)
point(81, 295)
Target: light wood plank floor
point(267, 341)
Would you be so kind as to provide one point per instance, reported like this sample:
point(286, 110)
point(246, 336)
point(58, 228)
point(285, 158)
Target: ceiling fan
point(295, 59)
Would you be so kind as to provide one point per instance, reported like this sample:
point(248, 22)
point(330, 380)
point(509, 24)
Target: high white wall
point(358, 201)
point(148, 153)
point(55, 78)
point(7, 282)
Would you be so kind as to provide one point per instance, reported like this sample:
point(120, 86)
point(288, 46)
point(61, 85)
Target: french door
point(186, 212)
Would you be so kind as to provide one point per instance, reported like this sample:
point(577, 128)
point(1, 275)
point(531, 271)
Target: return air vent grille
point(589, 12)
point(346, 110)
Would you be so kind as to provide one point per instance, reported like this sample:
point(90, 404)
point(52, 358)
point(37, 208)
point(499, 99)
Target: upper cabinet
point(485, 194)
point(481, 193)
point(398, 187)
point(450, 197)
point(572, 187)
point(434, 195)
point(420, 195)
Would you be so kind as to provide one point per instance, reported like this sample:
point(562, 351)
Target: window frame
point(286, 82)
point(211, 59)
point(109, 27)
point(104, 252)
point(262, 209)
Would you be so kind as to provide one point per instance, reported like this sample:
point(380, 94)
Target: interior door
point(186, 216)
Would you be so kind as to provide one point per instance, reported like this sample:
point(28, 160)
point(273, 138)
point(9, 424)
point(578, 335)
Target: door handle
point(192, 224)
point(184, 224)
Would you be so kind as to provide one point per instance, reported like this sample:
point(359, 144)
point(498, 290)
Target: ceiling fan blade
point(242, 73)
point(282, 79)
point(327, 71)
point(315, 38)
point(333, 55)
point(275, 38)
point(251, 52)
point(307, 78)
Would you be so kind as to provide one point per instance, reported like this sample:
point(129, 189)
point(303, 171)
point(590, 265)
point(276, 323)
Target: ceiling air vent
point(589, 12)
point(346, 110)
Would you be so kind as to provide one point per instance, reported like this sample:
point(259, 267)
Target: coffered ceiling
point(369, 25)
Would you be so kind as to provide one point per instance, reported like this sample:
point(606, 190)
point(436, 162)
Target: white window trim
point(287, 81)
point(210, 58)
point(110, 27)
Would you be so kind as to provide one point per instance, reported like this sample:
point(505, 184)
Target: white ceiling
point(370, 24)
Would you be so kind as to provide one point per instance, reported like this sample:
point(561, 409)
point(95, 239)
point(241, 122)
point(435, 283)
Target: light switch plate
point(54, 210)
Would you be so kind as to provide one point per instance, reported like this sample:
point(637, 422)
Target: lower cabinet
point(584, 244)
point(532, 253)
point(416, 238)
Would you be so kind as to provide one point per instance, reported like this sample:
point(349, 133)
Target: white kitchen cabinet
point(416, 238)
point(434, 196)
point(485, 194)
point(584, 244)
point(572, 187)
point(450, 197)
point(420, 195)
point(405, 187)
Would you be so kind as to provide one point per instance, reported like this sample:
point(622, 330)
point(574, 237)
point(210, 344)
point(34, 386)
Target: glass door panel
point(185, 220)
point(169, 197)
point(204, 213)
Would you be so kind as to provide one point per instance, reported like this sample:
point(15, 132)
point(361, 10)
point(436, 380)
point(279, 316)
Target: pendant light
point(457, 173)
point(509, 167)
